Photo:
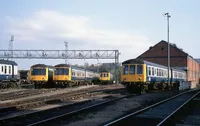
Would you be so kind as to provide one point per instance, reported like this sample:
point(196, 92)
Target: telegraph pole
point(66, 46)
point(168, 16)
point(11, 46)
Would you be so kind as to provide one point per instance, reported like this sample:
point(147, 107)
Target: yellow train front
point(41, 75)
point(133, 75)
point(106, 77)
point(62, 75)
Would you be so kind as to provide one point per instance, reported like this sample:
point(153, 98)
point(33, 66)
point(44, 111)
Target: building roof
point(198, 60)
point(2, 61)
point(171, 45)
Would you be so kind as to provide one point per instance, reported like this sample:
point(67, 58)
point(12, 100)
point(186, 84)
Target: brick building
point(178, 59)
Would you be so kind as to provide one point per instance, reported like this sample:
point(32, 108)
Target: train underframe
point(9, 84)
point(104, 82)
point(138, 87)
point(43, 84)
point(72, 83)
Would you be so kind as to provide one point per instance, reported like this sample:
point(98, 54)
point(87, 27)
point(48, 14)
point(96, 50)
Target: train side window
point(101, 75)
point(139, 69)
point(149, 71)
point(152, 71)
point(157, 72)
point(5, 69)
point(9, 69)
point(125, 70)
point(2, 69)
point(132, 69)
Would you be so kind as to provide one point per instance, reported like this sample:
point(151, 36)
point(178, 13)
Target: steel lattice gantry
point(62, 54)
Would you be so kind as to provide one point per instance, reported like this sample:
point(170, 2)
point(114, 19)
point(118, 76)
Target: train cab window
point(9, 69)
point(149, 70)
point(139, 69)
point(132, 69)
point(125, 70)
point(66, 71)
point(5, 69)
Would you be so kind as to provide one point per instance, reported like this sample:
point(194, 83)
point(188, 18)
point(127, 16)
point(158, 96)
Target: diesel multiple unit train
point(65, 75)
point(138, 75)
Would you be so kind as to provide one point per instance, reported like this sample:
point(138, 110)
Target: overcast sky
point(130, 26)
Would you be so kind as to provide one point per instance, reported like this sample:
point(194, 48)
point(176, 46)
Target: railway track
point(22, 104)
point(155, 114)
point(56, 99)
point(187, 114)
point(42, 116)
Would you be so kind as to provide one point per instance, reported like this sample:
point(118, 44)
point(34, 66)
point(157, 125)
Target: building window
point(162, 48)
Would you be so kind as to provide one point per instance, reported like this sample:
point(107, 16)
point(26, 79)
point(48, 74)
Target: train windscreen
point(62, 71)
point(38, 72)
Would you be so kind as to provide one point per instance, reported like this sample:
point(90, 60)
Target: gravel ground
point(124, 106)
point(50, 93)
point(3, 91)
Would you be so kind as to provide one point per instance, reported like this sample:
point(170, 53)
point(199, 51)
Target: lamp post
point(168, 16)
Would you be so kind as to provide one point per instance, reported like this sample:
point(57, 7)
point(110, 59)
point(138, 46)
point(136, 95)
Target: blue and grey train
point(8, 73)
point(67, 75)
point(138, 74)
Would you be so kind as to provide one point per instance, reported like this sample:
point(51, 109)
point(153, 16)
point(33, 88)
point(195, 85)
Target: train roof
point(2, 61)
point(73, 67)
point(42, 65)
point(62, 65)
point(140, 61)
point(104, 71)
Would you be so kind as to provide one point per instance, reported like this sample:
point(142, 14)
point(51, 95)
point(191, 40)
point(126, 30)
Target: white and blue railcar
point(8, 73)
point(158, 73)
point(82, 74)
